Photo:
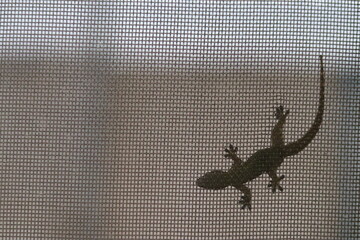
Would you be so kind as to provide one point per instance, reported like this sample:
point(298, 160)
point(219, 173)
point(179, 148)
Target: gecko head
point(214, 180)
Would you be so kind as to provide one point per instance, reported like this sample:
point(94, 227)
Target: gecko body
point(266, 160)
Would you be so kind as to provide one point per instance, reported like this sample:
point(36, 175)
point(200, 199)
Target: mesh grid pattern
point(110, 111)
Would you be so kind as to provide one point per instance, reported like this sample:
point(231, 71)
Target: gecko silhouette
point(266, 160)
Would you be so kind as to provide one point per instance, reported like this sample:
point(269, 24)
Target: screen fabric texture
point(110, 112)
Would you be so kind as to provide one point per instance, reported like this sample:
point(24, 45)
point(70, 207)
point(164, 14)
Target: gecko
point(266, 160)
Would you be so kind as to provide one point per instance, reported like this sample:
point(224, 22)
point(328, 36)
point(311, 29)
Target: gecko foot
point(279, 112)
point(231, 152)
point(246, 202)
point(274, 184)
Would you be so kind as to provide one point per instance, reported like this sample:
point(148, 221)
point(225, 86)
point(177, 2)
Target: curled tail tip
point(297, 146)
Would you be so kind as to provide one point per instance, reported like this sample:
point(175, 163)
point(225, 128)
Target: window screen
point(111, 110)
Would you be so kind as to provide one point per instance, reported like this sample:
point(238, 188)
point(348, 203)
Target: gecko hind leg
point(277, 138)
point(279, 112)
point(246, 199)
point(275, 181)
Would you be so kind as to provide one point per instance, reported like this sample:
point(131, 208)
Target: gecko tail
point(299, 145)
point(214, 180)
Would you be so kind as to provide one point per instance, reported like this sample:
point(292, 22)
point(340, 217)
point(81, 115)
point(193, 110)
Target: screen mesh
point(110, 111)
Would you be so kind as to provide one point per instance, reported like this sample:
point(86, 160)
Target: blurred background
point(109, 112)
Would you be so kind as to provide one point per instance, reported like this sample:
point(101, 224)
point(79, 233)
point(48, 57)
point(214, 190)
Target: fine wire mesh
point(110, 111)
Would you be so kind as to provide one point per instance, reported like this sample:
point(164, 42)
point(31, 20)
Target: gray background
point(109, 111)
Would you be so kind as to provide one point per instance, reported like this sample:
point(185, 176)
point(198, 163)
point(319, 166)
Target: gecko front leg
point(231, 153)
point(246, 199)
